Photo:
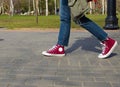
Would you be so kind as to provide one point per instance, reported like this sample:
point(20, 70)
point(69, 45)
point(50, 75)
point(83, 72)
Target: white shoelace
point(54, 47)
point(103, 47)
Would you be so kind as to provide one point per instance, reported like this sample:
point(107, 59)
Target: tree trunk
point(103, 6)
point(37, 6)
point(37, 10)
point(34, 6)
point(29, 7)
point(46, 7)
point(1, 7)
point(91, 10)
point(55, 7)
point(11, 8)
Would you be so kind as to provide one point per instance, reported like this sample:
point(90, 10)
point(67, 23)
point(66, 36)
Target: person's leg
point(64, 33)
point(65, 23)
point(92, 28)
point(108, 43)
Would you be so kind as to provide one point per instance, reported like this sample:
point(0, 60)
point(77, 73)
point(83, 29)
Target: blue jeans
point(65, 25)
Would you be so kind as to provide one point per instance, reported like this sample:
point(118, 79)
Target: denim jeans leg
point(65, 23)
point(92, 28)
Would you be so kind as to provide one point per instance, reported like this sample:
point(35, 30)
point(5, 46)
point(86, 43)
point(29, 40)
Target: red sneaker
point(56, 50)
point(108, 47)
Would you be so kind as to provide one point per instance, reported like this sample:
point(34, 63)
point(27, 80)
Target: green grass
point(44, 21)
point(29, 22)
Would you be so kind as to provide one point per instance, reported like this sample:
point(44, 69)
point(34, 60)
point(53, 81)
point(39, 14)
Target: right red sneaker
point(56, 50)
point(108, 47)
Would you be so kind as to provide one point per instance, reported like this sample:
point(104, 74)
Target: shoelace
point(53, 48)
point(103, 47)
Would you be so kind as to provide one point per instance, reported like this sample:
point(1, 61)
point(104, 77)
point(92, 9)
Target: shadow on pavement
point(87, 44)
point(1, 39)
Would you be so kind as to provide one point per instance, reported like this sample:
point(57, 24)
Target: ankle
point(59, 45)
point(107, 38)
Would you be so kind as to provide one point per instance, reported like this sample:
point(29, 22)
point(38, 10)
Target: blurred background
point(47, 7)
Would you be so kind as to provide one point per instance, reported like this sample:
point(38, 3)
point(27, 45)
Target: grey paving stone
point(96, 84)
point(22, 65)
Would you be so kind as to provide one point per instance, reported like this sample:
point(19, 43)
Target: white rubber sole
point(50, 55)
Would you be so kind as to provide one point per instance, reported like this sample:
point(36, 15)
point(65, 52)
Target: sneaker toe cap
point(45, 53)
point(101, 56)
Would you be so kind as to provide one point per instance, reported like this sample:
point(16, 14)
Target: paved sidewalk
point(22, 65)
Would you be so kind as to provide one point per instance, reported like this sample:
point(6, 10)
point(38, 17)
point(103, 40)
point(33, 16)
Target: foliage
point(118, 5)
point(23, 6)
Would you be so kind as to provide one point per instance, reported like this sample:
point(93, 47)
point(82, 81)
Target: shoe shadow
point(1, 39)
point(87, 44)
point(113, 54)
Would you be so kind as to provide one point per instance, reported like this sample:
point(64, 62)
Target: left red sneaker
point(108, 47)
point(56, 50)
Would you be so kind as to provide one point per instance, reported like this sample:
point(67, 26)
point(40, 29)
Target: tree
point(104, 6)
point(33, 5)
point(11, 8)
point(91, 7)
point(37, 10)
point(37, 6)
point(1, 7)
point(29, 7)
point(46, 7)
point(55, 6)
